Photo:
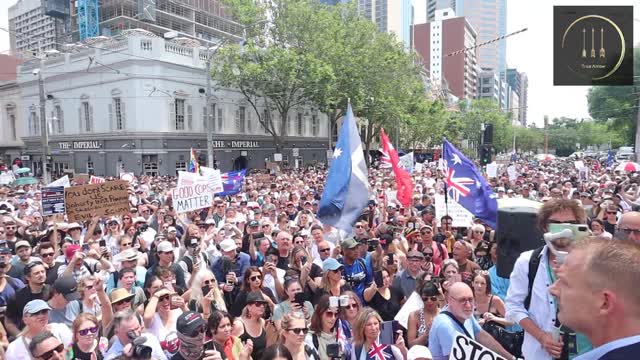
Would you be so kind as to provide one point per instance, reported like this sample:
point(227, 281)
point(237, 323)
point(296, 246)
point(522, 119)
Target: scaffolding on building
point(88, 19)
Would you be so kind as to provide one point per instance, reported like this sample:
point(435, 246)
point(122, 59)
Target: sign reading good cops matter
point(191, 197)
point(465, 348)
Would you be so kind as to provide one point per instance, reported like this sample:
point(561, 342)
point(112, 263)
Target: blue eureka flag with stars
point(346, 191)
point(467, 187)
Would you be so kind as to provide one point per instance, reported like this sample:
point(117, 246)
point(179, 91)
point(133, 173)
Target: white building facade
point(137, 104)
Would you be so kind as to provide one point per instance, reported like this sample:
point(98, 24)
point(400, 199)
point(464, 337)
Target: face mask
point(548, 239)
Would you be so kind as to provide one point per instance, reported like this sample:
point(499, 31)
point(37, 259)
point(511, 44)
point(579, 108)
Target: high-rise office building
point(435, 40)
point(489, 19)
point(203, 20)
point(519, 82)
point(31, 30)
point(432, 5)
point(393, 16)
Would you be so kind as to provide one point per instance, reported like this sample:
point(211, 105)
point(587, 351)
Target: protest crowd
point(258, 275)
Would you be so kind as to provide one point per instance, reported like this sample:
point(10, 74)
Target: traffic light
point(485, 155)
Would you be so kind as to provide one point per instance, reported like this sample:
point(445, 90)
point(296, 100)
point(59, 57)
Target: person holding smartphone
point(380, 296)
point(322, 335)
point(162, 312)
point(294, 302)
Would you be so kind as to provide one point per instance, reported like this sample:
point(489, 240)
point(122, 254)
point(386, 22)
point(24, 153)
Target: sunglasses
point(49, 354)
point(254, 278)
point(124, 301)
point(208, 282)
point(431, 298)
point(425, 232)
point(359, 226)
point(352, 306)
point(163, 298)
point(47, 255)
point(427, 254)
point(87, 331)
point(126, 244)
point(574, 222)
point(324, 250)
point(611, 212)
point(631, 231)
point(199, 330)
point(298, 331)
point(331, 314)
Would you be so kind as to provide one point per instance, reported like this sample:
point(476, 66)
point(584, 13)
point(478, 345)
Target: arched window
point(117, 118)
point(11, 119)
point(85, 115)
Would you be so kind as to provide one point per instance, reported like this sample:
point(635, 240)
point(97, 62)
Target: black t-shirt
point(610, 228)
point(52, 273)
point(79, 355)
point(21, 298)
point(387, 308)
point(283, 263)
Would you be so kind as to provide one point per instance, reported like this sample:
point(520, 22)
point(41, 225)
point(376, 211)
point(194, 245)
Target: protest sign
point(191, 197)
point(418, 167)
point(52, 200)
point(578, 164)
point(129, 177)
point(7, 178)
point(492, 170)
point(465, 348)
point(513, 173)
point(63, 181)
point(263, 178)
point(106, 199)
point(461, 217)
point(96, 180)
point(81, 178)
point(213, 179)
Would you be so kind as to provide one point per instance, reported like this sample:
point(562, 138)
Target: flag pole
point(446, 200)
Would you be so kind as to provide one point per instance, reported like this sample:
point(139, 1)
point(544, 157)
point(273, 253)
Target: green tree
point(617, 106)
point(485, 111)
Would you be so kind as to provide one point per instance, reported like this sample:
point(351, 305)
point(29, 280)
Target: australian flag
point(232, 182)
point(346, 191)
point(610, 158)
point(467, 187)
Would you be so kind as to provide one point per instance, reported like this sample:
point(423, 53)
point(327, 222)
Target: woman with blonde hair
point(88, 302)
point(331, 283)
point(476, 235)
point(199, 301)
point(85, 338)
point(366, 331)
point(294, 330)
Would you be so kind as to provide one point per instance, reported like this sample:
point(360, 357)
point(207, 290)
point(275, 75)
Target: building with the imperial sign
point(137, 103)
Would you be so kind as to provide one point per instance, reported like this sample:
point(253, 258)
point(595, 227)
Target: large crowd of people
point(258, 276)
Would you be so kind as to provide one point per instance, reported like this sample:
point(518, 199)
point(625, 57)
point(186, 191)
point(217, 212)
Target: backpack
point(534, 264)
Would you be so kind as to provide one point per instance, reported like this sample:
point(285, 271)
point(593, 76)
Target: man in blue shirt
point(230, 267)
point(597, 296)
point(356, 272)
point(457, 317)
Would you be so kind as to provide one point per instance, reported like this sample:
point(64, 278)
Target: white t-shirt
point(157, 329)
point(19, 348)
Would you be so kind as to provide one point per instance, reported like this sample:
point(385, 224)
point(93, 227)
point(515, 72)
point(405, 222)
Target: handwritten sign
point(106, 199)
point(492, 170)
point(7, 178)
point(465, 348)
point(53, 200)
point(96, 180)
point(191, 197)
point(461, 216)
point(213, 178)
point(513, 173)
point(81, 178)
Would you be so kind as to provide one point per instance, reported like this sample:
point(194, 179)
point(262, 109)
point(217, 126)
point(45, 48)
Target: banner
point(513, 173)
point(52, 200)
point(407, 163)
point(86, 201)
point(63, 181)
point(191, 197)
point(465, 348)
point(492, 170)
point(96, 180)
point(213, 179)
point(461, 217)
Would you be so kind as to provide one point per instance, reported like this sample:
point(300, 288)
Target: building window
point(119, 116)
point(300, 124)
point(208, 118)
point(315, 125)
point(86, 117)
point(266, 118)
point(240, 120)
point(34, 129)
point(11, 116)
point(178, 109)
point(181, 166)
point(58, 119)
point(220, 122)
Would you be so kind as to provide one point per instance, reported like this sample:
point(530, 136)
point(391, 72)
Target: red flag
point(403, 179)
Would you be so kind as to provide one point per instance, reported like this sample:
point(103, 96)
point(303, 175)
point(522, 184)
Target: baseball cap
point(71, 250)
point(253, 223)
point(228, 245)
point(189, 323)
point(415, 255)
point(419, 352)
point(171, 229)
point(67, 286)
point(165, 246)
point(210, 222)
point(22, 243)
point(35, 306)
point(349, 243)
point(255, 296)
point(331, 264)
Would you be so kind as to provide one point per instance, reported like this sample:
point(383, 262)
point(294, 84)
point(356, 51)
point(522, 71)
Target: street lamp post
point(43, 125)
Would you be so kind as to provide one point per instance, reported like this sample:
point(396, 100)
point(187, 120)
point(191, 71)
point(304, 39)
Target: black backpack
point(534, 264)
point(189, 261)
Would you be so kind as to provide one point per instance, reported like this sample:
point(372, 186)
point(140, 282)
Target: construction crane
point(88, 19)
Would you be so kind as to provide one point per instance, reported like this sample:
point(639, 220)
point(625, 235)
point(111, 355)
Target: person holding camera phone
point(162, 312)
point(366, 332)
point(294, 302)
point(386, 300)
point(322, 336)
point(128, 329)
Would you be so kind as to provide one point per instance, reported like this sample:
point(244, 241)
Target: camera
point(140, 350)
point(372, 244)
point(333, 351)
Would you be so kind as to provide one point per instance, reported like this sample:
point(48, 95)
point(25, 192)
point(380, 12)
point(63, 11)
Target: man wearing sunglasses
point(45, 346)
point(36, 320)
point(629, 227)
point(190, 327)
point(536, 311)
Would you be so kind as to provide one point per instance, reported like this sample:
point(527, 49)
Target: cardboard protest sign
point(465, 348)
point(191, 197)
point(513, 173)
point(63, 181)
point(96, 180)
point(213, 179)
point(461, 217)
point(106, 199)
point(52, 200)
